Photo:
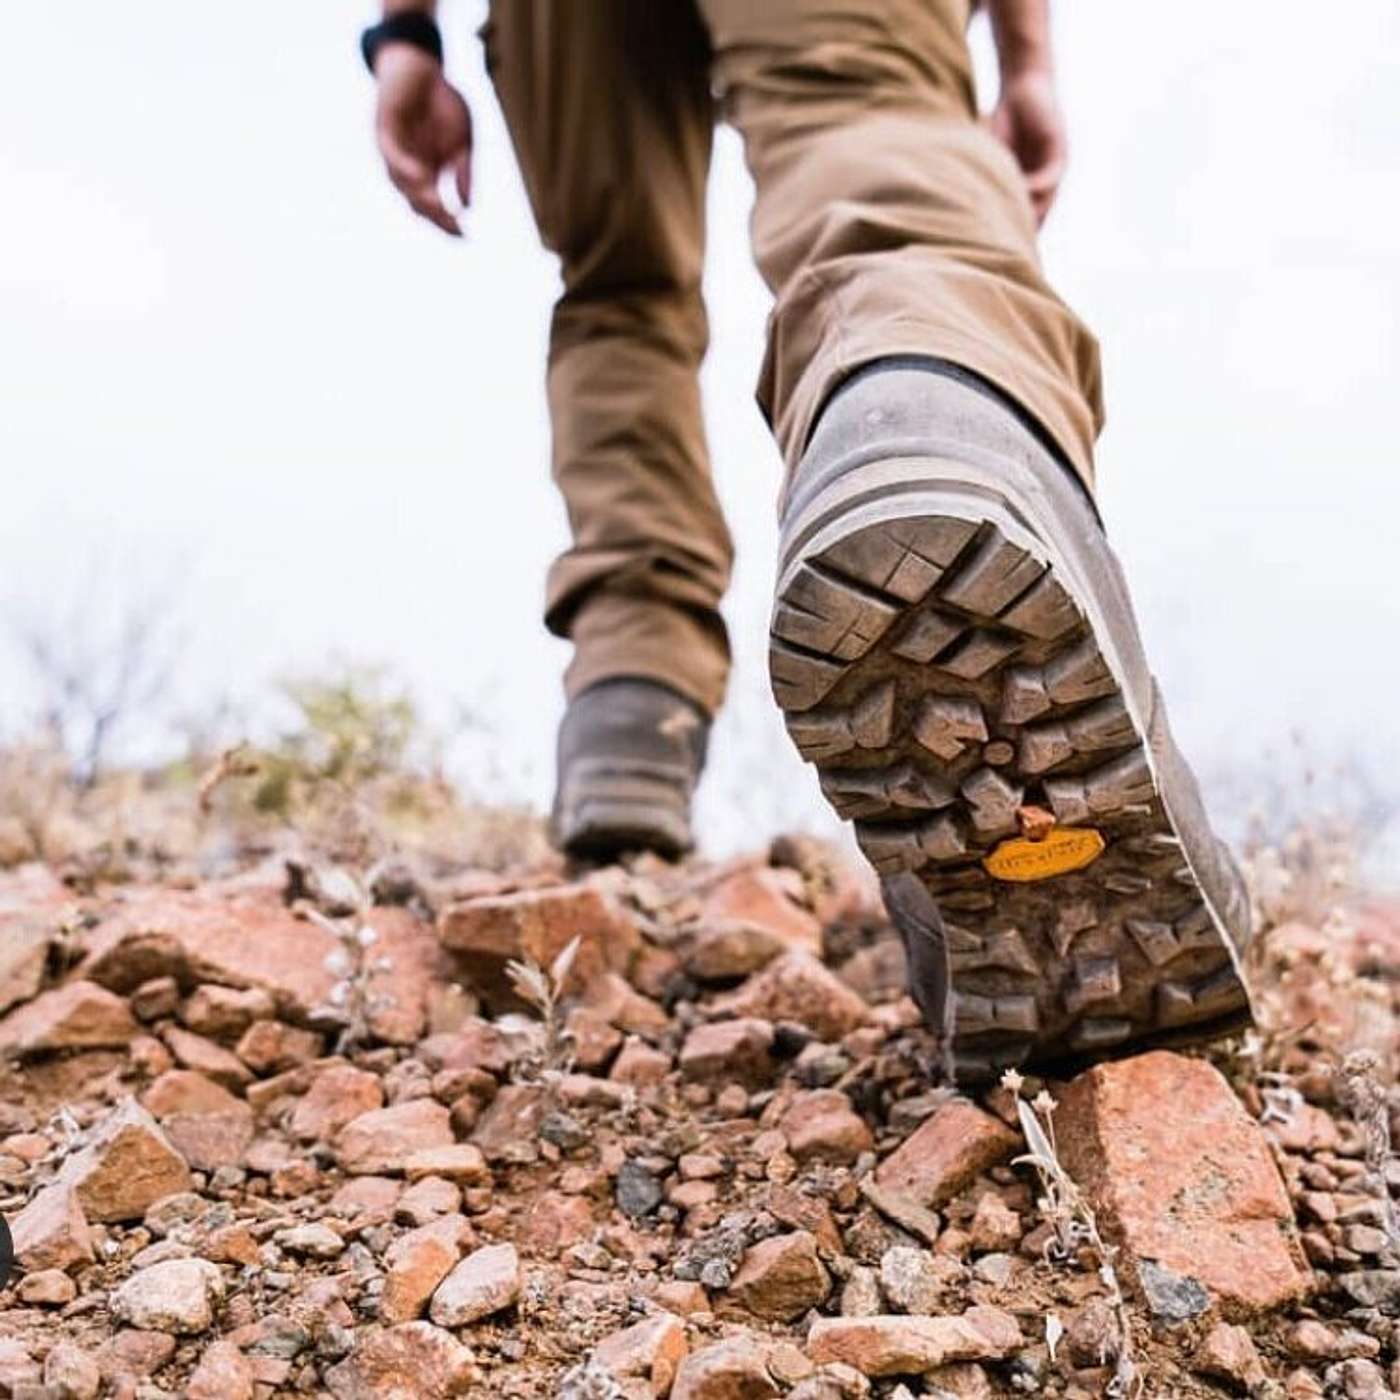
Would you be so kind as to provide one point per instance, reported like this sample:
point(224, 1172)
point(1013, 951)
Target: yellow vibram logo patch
point(1063, 849)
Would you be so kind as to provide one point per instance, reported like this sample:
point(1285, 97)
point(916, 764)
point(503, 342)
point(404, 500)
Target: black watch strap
point(407, 27)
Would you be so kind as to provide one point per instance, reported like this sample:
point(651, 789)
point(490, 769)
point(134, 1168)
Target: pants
point(887, 221)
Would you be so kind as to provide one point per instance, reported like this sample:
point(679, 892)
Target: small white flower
point(1013, 1081)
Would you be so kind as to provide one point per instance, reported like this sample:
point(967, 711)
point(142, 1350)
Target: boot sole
point(942, 668)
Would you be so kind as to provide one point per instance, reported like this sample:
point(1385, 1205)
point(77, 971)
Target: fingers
point(416, 180)
point(462, 176)
point(1043, 184)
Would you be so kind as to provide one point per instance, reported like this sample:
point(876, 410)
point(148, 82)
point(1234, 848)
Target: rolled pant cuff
point(616, 636)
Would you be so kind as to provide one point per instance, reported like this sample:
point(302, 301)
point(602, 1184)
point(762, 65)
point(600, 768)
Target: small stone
point(384, 1139)
point(649, 1350)
point(509, 1130)
point(223, 1373)
point(489, 933)
point(995, 1226)
point(1365, 1239)
point(963, 1379)
point(1228, 1354)
point(426, 1200)
point(314, 1240)
point(384, 1359)
point(640, 1064)
point(337, 1096)
point(156, 999)
point(269, 1047)
point(729, 1050)
point(797, 987)
point(485, 1282)
point(18, 1368)
point(70, 1373)
point(765, 898)
point(860, 1295)
point(206, 1057)
point(899, 1346)
point(1171, 1297)
point(1310, 1340)
point(47, 1288)
point(460, 1162)
point(417, 1263)
point(638, 1191)
point(176, 1296)
point(128, 1166)
point(184, 1091)
point(1373, 1288)
point(952, 1146)
point(555, 1223)
point(135, 1353)
point(76, 1016)
point(51, 1232)
point(730, 949)
point(915, 1281)
point(734, 1369)
point(822, 1127)
point(782, 1277)
point(224, 1013)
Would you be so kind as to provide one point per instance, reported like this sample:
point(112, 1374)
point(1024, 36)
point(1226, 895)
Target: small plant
point(543, 990)
point(1072, 1219)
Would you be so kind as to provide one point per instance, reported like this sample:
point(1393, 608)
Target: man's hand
point(423, 128)
point(1027, 116)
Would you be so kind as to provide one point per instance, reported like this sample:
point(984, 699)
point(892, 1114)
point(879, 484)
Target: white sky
point(228, 357)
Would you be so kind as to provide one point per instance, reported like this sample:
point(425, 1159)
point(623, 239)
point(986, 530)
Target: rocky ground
point(279, 1125)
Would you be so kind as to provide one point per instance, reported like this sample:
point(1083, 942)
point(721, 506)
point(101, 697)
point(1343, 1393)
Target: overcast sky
point(230, 360)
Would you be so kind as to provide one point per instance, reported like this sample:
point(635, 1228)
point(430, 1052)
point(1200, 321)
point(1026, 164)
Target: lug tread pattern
point(940, 677)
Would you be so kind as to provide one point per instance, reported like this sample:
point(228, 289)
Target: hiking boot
point(630, 753)
point(954, 649)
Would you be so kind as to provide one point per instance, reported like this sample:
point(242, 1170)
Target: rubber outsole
point(938, 670)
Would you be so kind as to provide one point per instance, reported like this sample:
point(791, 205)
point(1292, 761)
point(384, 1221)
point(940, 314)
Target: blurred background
point(259, 423)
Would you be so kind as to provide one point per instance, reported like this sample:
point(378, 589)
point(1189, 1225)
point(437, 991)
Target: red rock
point(536, 926)
point(175, 1296)
point(781, 1278)
point(649, 1350)
point(508, 1130)
point(208, 1141)
point(18, 1369)
point(128, 1166)
point(370, 1197)
point(425, 1201)
point(800, 1211)
point(207, 1058)
point(487, 1281)
point(821, 1127)
point(78, 1015)
point(1306, 1129)
point(269, 1047)
point(135, 1353)
point(460, 1162)
point(404, 963)
point(1228, 1354)
point(903, 1346)
point(595, 1039)
point(185, 1091)
point(639, 1064)
point(1180, 1175)
point(70, 1373)
point(247, 941)
point(764, 897)
point(223, 1373)
point(416, 1263)
point(51, 1232)
point(24, 954)
point(156, 999)
point(231, 1244)
point(384, 1360)
point(477, 1044)
point(555, 1223)
point(731, 949)
point(48, 1288)
point(995, 1227)
point(952, 1146)
point(224, 1013)
point(383, 1140)
point(734, 1369)
point(796, 987)
point(337, 1096)
point(723, 1050)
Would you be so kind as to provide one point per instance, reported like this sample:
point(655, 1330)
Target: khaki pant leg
point(888, 220)
point(609, 109)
